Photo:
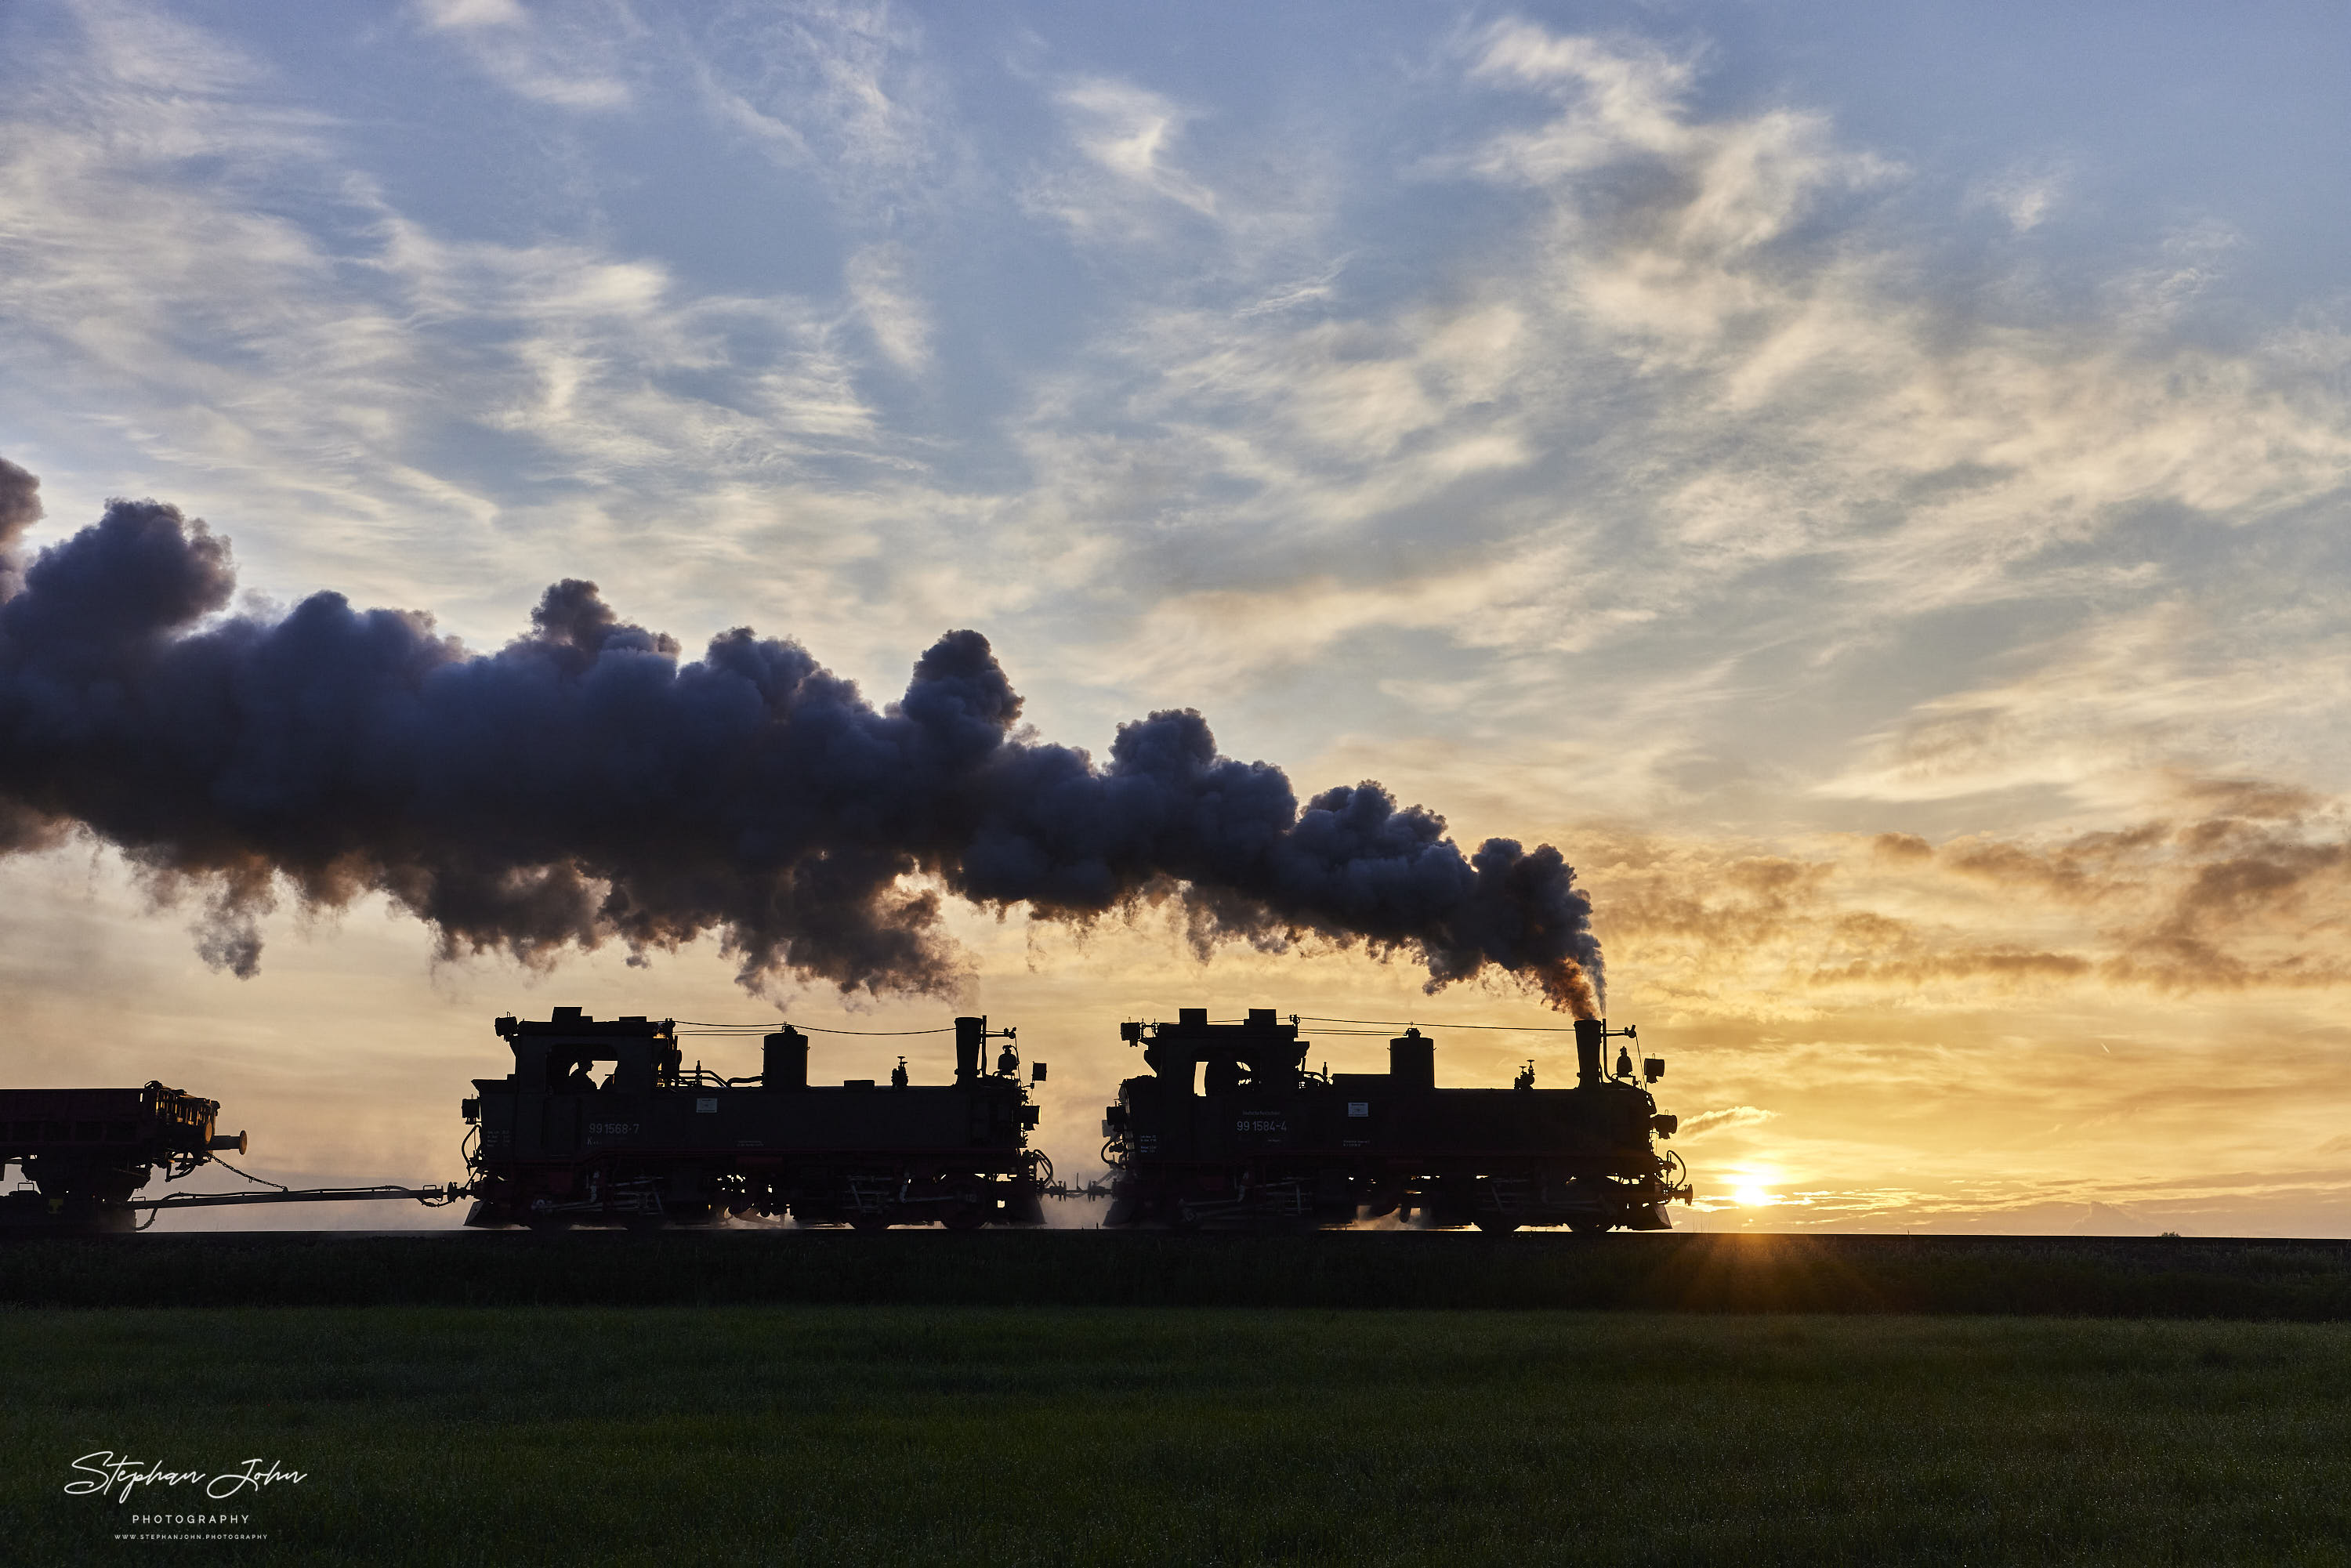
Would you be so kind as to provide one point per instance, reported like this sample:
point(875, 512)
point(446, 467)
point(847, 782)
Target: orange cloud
point(2251, 890)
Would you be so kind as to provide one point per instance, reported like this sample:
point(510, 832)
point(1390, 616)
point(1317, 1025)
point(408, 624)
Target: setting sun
point(1752, 1183)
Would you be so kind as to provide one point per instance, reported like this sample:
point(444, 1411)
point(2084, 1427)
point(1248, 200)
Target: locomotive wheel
point(968, 1217)
point(1588, 1226)
point(1499, 1224)
point(869, 1222)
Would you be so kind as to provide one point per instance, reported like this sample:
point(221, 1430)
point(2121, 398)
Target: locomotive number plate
point(611, 1129)
point(1261, 1124)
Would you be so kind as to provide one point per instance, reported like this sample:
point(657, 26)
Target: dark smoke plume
point(582, 784)
point(20, 508)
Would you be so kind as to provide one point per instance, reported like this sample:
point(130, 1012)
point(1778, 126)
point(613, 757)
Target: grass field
point(2308, 1282)
point(1000, 1436)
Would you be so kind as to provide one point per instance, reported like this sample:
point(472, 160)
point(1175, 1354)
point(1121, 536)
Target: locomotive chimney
point(1412, 1062)
point(971, 1046)
point(783, 1061)
point(1591, 1044)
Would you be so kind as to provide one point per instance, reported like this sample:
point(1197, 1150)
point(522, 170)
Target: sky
point(1868, 484)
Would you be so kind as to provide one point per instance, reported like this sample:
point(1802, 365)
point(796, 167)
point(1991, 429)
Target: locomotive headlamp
point(1653, 1067)
point(1036, 1072)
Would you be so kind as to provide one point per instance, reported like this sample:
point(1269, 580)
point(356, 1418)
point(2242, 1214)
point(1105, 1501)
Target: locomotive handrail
point(807, 1029)
point(1409, 1023)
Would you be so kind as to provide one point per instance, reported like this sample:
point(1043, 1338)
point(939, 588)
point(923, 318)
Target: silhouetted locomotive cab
point(1229, 1129)
point(600, 1123)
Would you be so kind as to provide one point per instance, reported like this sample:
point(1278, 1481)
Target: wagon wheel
point(1499, 1224)
point(869, 1222)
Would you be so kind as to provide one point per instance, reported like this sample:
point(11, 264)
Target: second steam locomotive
point(1230, 1128)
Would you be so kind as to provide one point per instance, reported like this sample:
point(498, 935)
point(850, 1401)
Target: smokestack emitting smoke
point(582, 784)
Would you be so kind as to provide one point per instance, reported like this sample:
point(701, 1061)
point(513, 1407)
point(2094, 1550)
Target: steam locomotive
point(1229, 1129)
point(655, 1143)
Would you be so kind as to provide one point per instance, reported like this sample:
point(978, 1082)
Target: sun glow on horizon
point(1753, 1186)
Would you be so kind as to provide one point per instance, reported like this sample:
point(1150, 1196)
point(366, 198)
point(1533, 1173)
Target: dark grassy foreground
point(1096, 1436)
point(2291, 1281)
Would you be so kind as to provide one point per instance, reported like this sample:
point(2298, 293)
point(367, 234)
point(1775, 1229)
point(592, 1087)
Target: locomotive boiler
point(1229, 1129)
point(599, 1123)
